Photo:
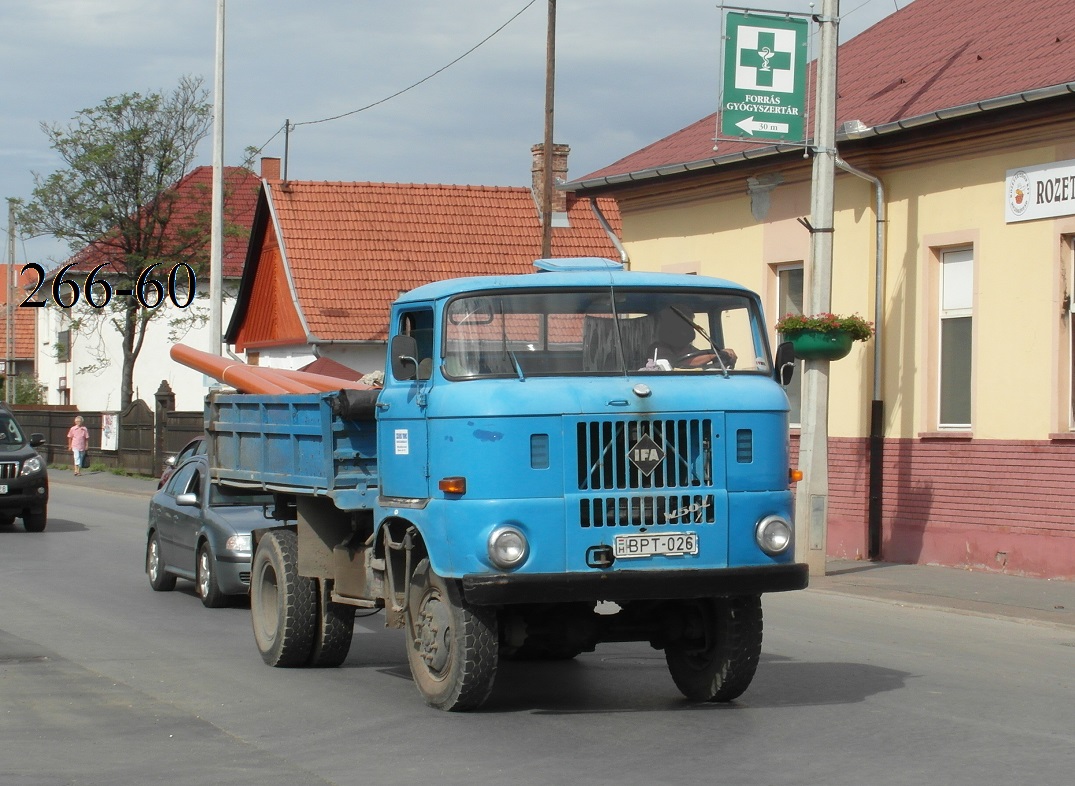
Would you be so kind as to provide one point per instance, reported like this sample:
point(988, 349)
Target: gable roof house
point(326, 259)
point(65, 353)
point(955, 211)
point(19, 351)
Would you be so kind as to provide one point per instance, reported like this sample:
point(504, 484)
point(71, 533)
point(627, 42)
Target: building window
point(956, 337)
point(63, 346)
point(789, 300)
point(1069, 296)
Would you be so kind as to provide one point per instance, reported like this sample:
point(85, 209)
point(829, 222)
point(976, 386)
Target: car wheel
point(205, 579)
point(159, 579)
point(35, 520)
point(6, 520)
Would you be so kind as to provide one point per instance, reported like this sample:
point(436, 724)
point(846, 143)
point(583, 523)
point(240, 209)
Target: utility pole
point(812, 493)
point(216, 241)
point(550, 93)
point(9, 304)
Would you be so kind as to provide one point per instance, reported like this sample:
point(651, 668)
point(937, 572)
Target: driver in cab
point(674, 347)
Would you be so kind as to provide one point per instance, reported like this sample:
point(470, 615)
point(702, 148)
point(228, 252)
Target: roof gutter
point(918, 121)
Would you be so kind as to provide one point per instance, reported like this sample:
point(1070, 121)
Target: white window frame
point(955, 301)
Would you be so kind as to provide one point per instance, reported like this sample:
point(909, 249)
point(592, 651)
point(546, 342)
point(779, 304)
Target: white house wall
point(100, 390)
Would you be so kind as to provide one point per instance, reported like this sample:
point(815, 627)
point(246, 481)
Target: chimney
point(270, 168)
point(559, 175)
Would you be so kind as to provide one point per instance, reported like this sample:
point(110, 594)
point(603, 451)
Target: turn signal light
point(456, 484)
point(795, 475)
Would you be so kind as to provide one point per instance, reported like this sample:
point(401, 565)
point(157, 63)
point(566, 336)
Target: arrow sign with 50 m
point(764, 78)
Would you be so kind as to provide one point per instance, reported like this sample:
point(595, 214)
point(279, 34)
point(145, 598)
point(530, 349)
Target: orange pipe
point(243, 377)
point(322, 382)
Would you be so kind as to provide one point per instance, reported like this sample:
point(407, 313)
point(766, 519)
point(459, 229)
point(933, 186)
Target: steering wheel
point(703, 358)
point(699, 358)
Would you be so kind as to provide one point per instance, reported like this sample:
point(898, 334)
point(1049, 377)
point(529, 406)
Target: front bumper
point(24, 494)
point(503, 589)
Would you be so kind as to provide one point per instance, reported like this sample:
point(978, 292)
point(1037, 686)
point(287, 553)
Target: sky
point(628, 72)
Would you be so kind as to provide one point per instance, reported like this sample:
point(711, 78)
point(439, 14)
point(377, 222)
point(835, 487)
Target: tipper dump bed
point(321, 444)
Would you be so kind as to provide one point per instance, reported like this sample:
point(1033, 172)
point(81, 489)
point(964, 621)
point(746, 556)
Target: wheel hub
point(432, 634)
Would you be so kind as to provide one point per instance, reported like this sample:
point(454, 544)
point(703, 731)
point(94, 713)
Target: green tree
point(115, 204)
point(25, 389)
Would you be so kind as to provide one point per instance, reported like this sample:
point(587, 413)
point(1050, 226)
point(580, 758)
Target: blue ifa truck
point(579, 455)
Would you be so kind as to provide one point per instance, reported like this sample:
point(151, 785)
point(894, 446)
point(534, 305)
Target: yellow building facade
point(972, 459)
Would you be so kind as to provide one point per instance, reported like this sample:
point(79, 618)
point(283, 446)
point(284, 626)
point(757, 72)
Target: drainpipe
point(608, 231)
point(877, 405)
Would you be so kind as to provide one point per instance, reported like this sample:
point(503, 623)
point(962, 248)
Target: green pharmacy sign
point(764, 78)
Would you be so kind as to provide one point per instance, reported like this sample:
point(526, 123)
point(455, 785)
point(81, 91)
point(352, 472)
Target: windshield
point(10, 433)
point(593, 332)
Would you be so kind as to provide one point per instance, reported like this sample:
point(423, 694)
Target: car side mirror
point(785, 363)
point(187, 499)
point(404, 357)
point(37, 439)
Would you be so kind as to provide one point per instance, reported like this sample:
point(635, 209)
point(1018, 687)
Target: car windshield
point(595, 332)
point(10, 433)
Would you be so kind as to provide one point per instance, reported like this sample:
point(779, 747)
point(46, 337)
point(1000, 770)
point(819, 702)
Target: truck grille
point(9, 469)
point(604, 454)
point(661, 469)
point(647, 511)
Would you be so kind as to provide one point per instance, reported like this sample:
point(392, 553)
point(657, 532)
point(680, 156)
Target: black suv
point(24, 480)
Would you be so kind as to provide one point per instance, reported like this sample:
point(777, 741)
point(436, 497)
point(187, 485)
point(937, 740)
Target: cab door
point(402, 426)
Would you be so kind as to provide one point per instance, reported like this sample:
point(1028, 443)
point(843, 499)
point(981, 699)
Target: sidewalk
point(972, 592)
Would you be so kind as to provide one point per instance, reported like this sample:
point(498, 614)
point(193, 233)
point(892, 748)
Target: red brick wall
point(1005, 506)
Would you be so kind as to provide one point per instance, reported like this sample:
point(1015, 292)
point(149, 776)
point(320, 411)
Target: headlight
point(774, 535)
point(508, 547)
point(32, 465)
point(238, 543)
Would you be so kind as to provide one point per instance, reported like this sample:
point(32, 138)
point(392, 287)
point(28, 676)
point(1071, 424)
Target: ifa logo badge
point(646, 455)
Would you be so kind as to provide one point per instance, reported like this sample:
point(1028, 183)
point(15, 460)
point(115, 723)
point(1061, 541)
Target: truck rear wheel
point(451, 646)
point(716, 658)
point(283, 604)
point(335, 628)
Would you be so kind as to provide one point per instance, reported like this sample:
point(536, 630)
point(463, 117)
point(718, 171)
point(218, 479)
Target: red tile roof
point(194, 199)
point(24, 319)
point(351, 248)
point(928, 56)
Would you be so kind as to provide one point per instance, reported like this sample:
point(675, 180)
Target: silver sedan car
point(200, 531)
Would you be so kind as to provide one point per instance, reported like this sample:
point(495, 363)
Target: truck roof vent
point(573, 264)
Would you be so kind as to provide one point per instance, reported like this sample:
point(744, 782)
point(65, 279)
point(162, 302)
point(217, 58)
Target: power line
point(424, 79)
point(284, 128)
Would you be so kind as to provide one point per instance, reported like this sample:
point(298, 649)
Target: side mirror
point(785, 363)
point(187, 500)
point(403, 358)
point(37, 439)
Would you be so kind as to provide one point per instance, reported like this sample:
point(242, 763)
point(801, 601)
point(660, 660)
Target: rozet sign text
point(1044, 191)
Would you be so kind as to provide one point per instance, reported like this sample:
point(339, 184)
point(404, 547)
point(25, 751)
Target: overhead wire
point(286, 127)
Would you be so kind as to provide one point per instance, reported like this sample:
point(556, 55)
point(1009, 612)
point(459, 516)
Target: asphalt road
point(103, 681)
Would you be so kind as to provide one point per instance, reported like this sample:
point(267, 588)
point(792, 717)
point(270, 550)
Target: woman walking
point(78, 441)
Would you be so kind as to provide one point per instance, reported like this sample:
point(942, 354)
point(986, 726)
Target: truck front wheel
point(283, 604)
point(717, 655)
point(451, 646)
